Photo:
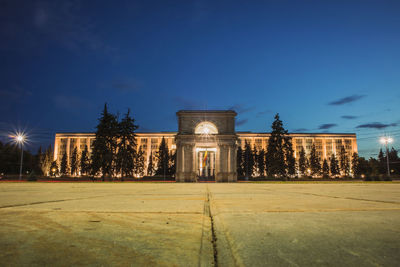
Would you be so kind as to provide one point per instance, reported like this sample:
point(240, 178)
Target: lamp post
point(386, 141)
point(20, 139)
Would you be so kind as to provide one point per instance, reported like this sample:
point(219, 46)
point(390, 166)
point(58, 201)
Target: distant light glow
point(19, 138)
point(386, 140)
point(206, 128)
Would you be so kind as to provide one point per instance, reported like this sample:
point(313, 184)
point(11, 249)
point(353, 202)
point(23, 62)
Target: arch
point(206, 127)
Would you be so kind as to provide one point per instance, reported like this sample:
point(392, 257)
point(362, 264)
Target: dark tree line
point(114, 153)
point(279, 160)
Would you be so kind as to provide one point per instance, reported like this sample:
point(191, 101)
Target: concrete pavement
point(241, 224)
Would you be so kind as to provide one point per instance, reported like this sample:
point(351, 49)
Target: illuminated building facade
point(206, 144)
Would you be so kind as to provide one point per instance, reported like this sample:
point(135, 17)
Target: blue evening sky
point(325, 66)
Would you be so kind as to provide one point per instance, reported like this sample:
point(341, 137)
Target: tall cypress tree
point(255, 160)
point(45, 160)
point(325, 169)
point(302, 162)
point(248, 160)
point(139, 162)
point(162, 158)
point(64, 170)
point(73, 163)
point(172, 163)
point(275, 153)
point(344, 162)
point(355, 165)
point(290, 160)
point(315, 165)
point(105, 144)
point(126, 155)
point(239, 162)
point(84, 161)
point(150, 165)
point(261, 162)
point(334, 166)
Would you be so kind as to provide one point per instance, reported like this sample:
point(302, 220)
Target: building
point(206, 144)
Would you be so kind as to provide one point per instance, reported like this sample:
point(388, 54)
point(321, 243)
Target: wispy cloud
point(300, 130)
point(32, 23)
point(327, 126)
point(71, 103)
point(376, 125)
point(14, 92)
point(262, 113)
point(241, 122)
point(240, 108)
point(346, 100)
point(127, 86)
point(349, 117)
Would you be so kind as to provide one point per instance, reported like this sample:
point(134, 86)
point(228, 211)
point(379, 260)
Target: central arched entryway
point(205, 159)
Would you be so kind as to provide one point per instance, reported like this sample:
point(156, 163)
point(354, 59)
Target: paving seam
point(349, 198)
point(304, 211)
point(50, 201)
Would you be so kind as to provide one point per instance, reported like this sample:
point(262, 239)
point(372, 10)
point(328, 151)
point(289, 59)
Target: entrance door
point(206, 163)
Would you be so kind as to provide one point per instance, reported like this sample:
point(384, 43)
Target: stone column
point(56, 148)
point(68, 148)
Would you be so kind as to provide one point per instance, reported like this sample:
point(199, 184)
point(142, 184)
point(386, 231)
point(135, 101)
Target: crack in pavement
point(207, 212)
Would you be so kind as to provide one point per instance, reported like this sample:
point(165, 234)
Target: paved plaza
point(204, 224)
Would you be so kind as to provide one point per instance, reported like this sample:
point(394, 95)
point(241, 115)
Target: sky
point(324, 66)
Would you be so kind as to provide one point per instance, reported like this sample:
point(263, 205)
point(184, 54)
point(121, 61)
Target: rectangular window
point(309, 141)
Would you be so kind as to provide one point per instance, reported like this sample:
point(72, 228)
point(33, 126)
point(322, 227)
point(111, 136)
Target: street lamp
point(386, 141)
point(20, 139)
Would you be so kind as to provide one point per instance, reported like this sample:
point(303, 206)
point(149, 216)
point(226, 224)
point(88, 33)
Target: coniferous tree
point(139, 162)
point(248, 160)
point(45, 160)
point(382, 162)
point(334, 166)
point(344, 162)
point(172, 163)
point(38, 164)
point(261, 162)
point(315, 165)
point(104, 145)
point(394, 157)
point(302, 162)
point(325, 169)
point(74, 163)
point(162, 159)
point(255, 160)
point(275, 153)
point(53, 169)
point(150, 166)
point(364, 168)
point(289, 157)
point(126, 156)
point(239, 162)
point(64, 170)
point(355, 168)
point(84, 161)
